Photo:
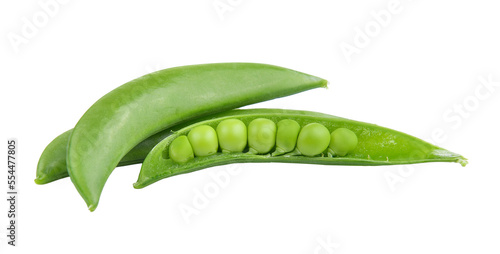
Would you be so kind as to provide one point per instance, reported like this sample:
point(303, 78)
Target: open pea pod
point(376, 145)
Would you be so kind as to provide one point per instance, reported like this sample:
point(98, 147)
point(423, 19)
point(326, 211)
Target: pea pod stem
point(142, 107)
point(377, 146)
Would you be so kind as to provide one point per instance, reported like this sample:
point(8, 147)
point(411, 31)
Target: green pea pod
point(144, 106)
point(52, 163)
point(376, 146)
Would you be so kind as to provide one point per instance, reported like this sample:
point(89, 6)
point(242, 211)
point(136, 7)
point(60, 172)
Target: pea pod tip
point(325, 84)
point(40, 180)
point(140, 183)
point(92, 207)
point(442, 153)
point(463, 161)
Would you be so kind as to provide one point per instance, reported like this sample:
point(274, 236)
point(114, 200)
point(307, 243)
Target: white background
point(416, 71)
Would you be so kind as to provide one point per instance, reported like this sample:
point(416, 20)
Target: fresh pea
point(286, 136)
point(261, 136)
point(313, 139)
point(342, 142)
point(204, 141)
point(134, 111)
point(180, 150)
point(377, 145)
point(232, 134)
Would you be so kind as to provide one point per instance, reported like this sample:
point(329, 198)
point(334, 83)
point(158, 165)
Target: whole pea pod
point(322, 139)
point(142, 107)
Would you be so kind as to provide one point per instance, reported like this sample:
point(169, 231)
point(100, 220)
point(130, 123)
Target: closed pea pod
point(342, 142)
point(261, 136)
point(313, 139)
point(286, 136)
point(204, 141)
point(232, 134)
point(52, 163)
point(180, 150)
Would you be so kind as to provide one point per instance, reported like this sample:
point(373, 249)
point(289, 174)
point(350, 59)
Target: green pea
point(313, 139)
point(286, 136)
point(261, 136)
point(232, 134)
point(342, 142)
point(180, 150)
point(203, 139)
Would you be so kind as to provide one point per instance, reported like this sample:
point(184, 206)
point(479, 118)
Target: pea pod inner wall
point(144, 106)
point(376, 146)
